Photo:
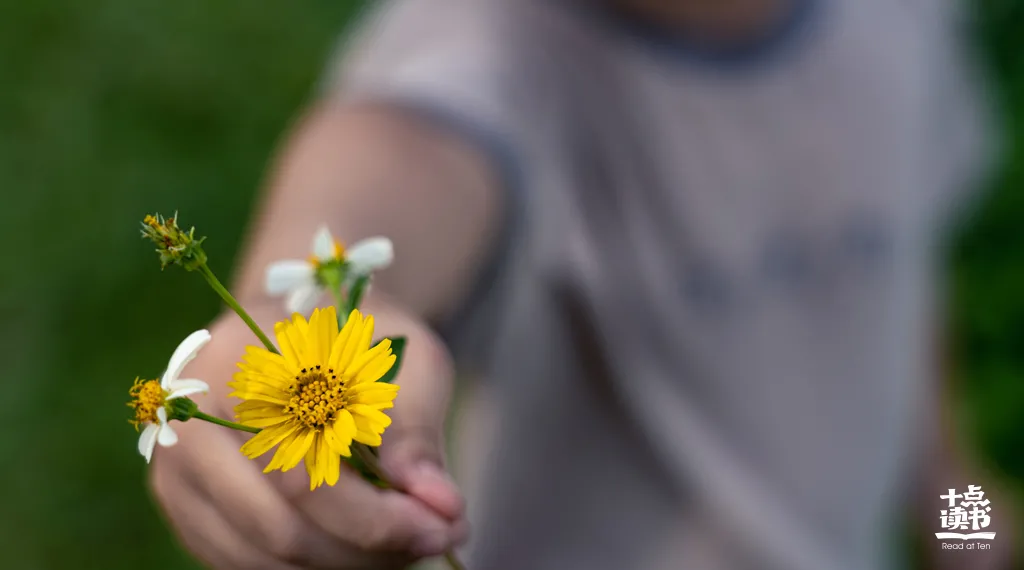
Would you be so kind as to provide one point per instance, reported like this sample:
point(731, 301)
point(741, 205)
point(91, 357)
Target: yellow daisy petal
point(259, 358)
point(246, 417)
point(371, 387)
point(372, 415)
point(367, 338)
point(264, 422)
point(315, 339)
point(267, 439)
point(362, 359)
point(276, 380)
point(339, 434)
point(332, 471)
point(323, 329)
point(301, 325)
point(332, 324)
point(374, 397)
point(366, 431)
point(312, 468)
point(251, 404)
point(323, 460)
point(374, 370)
point(249, 418)
point(244, 378)
point(282, 450)
point(296, 450)
point(300, 336)
point(271, 411)
point(284, 332)
point(342, 355)
point(248, 395)
point(254, 405)
point(366, 423)
point(340, 342)
point(260, 388)
point(369, 438)
point(345, 426)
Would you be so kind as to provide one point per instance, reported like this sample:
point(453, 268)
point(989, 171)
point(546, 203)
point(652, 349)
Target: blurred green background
point(112, 108)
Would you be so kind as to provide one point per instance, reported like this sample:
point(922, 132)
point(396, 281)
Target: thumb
point(413, 458)
point(412, 451)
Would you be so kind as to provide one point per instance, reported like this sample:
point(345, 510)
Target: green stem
point(231, 302)
point(333, 280)
point(355, 295)
point(215, 420)
point(342, 312)
point(370, 461)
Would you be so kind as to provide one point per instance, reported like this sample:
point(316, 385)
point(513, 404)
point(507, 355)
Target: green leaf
point(357, 464)
point(355, 293)
point(398, 348)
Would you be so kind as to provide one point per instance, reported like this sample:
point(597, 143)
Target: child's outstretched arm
point(365, 172)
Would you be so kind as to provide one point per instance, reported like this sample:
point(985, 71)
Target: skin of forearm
point(375, 171)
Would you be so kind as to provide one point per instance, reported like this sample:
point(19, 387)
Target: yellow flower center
point(339, 255)
point(147, 397)
point(317, 396)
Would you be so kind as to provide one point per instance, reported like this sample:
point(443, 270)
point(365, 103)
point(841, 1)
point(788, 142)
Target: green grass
point(110, 109)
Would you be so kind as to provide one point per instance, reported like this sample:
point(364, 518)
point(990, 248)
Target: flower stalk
point(230, 300)
point(355, 295)
point(369, 460)
point(184, 409)
point(215, 420)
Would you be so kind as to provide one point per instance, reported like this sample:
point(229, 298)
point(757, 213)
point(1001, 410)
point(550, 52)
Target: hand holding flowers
point(318, 394)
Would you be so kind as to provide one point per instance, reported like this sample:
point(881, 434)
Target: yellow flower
point(318, 395)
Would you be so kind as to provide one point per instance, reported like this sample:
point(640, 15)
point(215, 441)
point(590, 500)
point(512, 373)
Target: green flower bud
point(175, 246)
point(181, 409)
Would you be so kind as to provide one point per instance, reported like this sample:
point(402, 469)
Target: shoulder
point(416, 40)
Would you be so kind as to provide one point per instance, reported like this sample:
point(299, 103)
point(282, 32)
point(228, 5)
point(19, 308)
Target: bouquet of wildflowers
point(319, 394)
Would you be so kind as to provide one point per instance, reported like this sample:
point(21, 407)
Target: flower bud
point(175, 246)
point(181, 409)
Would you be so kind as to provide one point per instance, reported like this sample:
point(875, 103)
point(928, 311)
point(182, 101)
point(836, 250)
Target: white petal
point(323, 244)
point(181, 388)
point(147, 441)
point(161, 414)
point(370, 254)
point(303, 300)
point(286, 275)
point(166, 436)
point(184, 354)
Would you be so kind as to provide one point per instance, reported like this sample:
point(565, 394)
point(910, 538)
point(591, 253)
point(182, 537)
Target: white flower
point(150, 397)
point(297, 279)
